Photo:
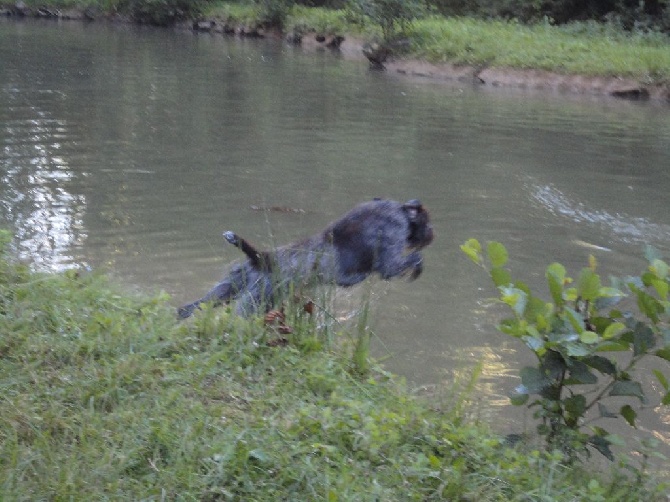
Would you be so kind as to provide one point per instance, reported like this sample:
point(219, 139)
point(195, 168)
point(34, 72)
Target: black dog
point(380, 236)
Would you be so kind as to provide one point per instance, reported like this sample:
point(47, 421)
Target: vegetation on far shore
point(106, 396)
point(591, 48)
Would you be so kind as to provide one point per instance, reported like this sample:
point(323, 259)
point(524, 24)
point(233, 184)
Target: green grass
point(323, 21)
point(578, 49)
point(298, 18)
point(105, 396)
point(242, 13)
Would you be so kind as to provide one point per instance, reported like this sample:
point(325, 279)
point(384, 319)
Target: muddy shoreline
point(352, 48)
point(538, 80)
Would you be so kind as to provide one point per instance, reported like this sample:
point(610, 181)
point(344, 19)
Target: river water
point(132, 149)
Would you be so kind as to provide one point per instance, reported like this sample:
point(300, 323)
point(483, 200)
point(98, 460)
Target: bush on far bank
point(629, 15)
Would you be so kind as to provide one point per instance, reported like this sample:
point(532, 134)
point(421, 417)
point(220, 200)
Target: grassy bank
point(585, 49)
point(106, 396)
point(591, 49)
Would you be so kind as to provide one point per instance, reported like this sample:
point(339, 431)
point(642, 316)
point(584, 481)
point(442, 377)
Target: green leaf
point(575, 405)
point(513, 327)
point(600, 432)
point(608, 298)
point(534, 343)
point(497, 254)
point(535, 310)
point(501, 277)
point(563, 338)
point(661, 288)
point(649, 305)
point(613, 330)
point(627, 388)
point(523, 287)
point(661, 379)
point(666, 399)
point(610, 292)
point(570, 295)
point(659, 268)
point(647, 277)
point(629, 414)
point(533, 380)
point(613, 346)
point(602, 445)
point(602, 364)
point(473, 249)
point(553, 365)
point(663, 353)
point(519, 397)
point(541, 322)
point(588, 284)
point(588, 337)
point(643, 339)
point(557, 270)
point(576, 320)
point(556, 279)
point(580, 373)
point(532, 331)
point(515, 298)
point(577, 349)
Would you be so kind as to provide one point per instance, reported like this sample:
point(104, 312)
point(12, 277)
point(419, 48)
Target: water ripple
point(629, 229)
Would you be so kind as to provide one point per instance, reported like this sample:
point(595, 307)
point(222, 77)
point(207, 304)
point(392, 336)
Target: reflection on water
point(47, 217)
point(133, 149)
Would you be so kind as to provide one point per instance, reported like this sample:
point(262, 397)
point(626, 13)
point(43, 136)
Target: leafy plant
point(577, 339)
point(161, 12)
point(323, 21)
point(392, 16)
point(274, 12)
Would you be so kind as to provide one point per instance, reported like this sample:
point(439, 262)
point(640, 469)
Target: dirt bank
point(352, 48)
point(618, 87)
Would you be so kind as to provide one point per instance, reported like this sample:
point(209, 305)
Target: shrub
point(161, 12)
point(273, 12)
point(575, 337)
point(630, 14)
point(324, 21)
point(392, 16)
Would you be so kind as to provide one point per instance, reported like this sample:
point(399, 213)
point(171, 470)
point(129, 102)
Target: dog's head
point(420, 229)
